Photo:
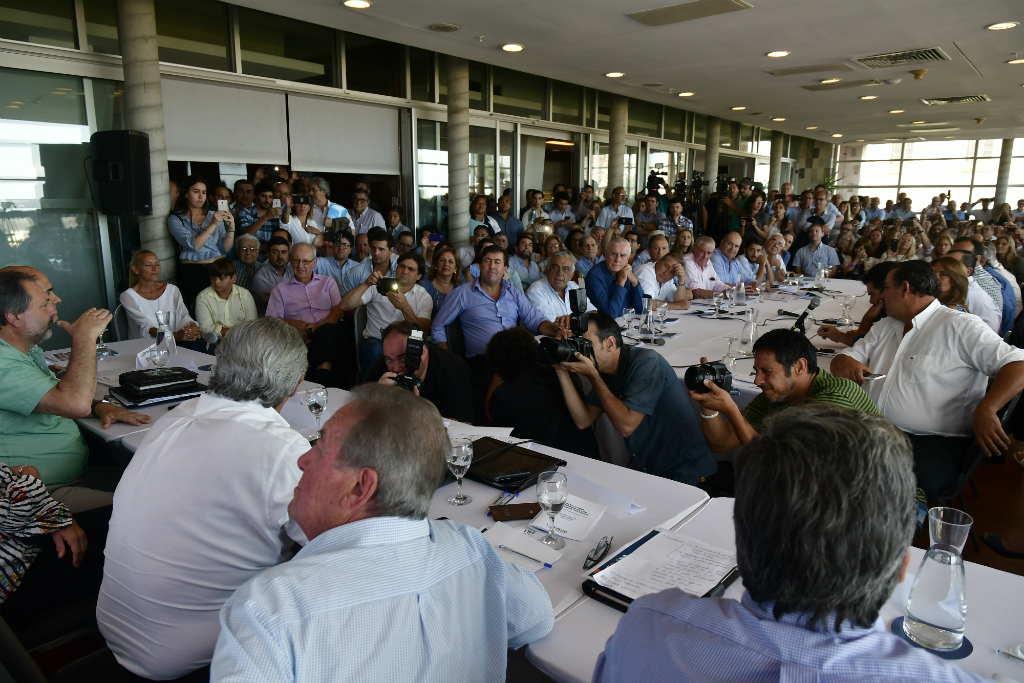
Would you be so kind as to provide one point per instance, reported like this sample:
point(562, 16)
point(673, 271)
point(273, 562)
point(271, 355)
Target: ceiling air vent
point(445, 28)
point(687, 11)
point(811, 69)
point(956, 100)
point(931, 54)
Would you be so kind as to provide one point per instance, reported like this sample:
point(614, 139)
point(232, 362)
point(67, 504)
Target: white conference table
point(995, 599)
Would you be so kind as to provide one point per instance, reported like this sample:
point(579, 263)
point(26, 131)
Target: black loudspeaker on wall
point(120, 172)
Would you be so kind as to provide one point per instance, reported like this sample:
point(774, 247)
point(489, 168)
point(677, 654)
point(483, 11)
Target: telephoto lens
point(551, 350)
point(716, 372)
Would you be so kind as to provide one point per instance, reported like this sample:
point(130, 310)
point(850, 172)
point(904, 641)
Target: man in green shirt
point(37, 409)
point(787, 374)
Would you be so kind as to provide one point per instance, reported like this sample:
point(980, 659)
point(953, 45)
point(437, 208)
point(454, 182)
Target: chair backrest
point(118, 313)
point(360, 324)
point(15, 658)
point(456, 340)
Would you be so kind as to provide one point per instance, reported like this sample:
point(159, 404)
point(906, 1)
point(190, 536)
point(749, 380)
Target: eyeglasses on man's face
point(303, 262)
point(248, 248)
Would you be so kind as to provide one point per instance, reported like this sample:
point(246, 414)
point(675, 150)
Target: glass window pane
point(869, 173)
point(604, 111)
point(1016, 174)
point(978, 192)
point(505, 171)
point(989, 148)
point(274, 46)
point(421, 74)
point(565, 102)
point(746, 138)
point(700, 130)
point(881, 151)
point(48, 221)
point(985, 171)
point(374, 66)
point(109, 99)
point(938, 149)
point(644, 118)
point(787, 146)
point(481, 160)
point(477, 78)
point(432, 173)
point(728, 135)
point(935, 172)
point(600, 177)
point(49, 22)
point(101, 26)
point(193, 32)
point(675, 124)
point(518, 94)
point(591, 121)
point(629, 172)
point(764, 143)
point(442, 79)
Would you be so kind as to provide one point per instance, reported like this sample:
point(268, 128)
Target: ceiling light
point(686, 94)
point(895, 111)
point(858, 141)
point(869, 97)
point(1016, 61)
point(1002, 26)
point(738, 108)
point(560, 143)
point(444, 28)
point(358, 4)
point(917, 123)
point(949, 137)
point(830, 80)
point(837, 135)
point(615, 74)
point(783, 53)
point(778, 119)
point(512, 47)
point(812, 128)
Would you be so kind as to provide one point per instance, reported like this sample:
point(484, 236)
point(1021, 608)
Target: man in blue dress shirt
point(822, 539)
point(380, 593)
point(814, 256)
point(522, 261)
point(611, 284)
point(726, 262)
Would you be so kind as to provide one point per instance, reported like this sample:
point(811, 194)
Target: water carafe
point(749, 334)
point(739, 296)
point(937, 609)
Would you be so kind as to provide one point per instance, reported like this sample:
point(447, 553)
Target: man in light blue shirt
point(380, 593)
point(903, 211)
point(823, 209)
point(873, 211)
point(727, 266)
point(522, 263)
point(340, 261)
point(561, 214)
point(382, 259)
point(815, 255)
point(951, 213)
point(617, 209)
point(785, 626)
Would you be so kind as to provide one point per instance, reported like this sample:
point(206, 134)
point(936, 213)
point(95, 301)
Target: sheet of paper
point(669, 560)
point(502, 534)
point(574, 522)
point(112, 380)
point(776, 296)
point(618, 505)
point(471, 430)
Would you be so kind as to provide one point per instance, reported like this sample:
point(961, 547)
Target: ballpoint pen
point(1004, 652)
point(505, 547)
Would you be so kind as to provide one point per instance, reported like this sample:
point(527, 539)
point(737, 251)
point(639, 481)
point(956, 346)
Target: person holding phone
point(263, 217)
point(203, 234)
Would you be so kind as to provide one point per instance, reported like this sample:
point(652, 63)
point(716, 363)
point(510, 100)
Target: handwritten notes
point(668, 560)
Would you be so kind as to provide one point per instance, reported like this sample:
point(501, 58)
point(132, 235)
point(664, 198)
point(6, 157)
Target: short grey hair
point(561, 254)
point(401, 437)
point(259, 360)
point(824, 513)
point(317, 181)
point(616, 240)
point(703, 240)
point(247, 238)
point(306, 245)
point(14, 297)
point(988, 250)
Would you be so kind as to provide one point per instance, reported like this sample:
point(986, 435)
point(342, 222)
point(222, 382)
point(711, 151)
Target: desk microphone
point(791, 314)
point(799, 324)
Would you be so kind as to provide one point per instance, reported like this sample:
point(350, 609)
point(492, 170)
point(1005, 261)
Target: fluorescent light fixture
point(783, 53)
point(512, 47)
point(917, 123)
point(869, 97)
point(615, 74)
point(837, 135)
point(827, 81)
point(1016, 61)
point(686, 94)
point(358, 4)
point(950, 137)
point(812, 128)
point(560, 143)
point(858, 141)
point(895, 111)
point(778, 119)
point(738, 108)
point(1002, 26)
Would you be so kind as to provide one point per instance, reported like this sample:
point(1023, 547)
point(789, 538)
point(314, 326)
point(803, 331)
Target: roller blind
point(217, 122)
point(335, 136)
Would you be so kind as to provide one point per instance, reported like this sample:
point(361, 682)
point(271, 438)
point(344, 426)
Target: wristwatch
point(92, 413)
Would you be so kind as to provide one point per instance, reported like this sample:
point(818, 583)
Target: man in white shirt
point(407, 301)
point(935, 363)
point(659, 278)
point(614, 211)
point(979, 302)
point(468, 254)
point(984, 214)
point(319, 191)
point(380, 593)
point(362, 216)
point(701, 277)
point(535, 213)
point(548, 293)
point(203, 506)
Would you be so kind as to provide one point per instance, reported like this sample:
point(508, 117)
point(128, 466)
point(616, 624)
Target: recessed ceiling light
point(1016, 61)
point(778, 119)
point(812, 128)
point(830, 80)
point(895, 111)
point(837, 135)
point(615, 74)
point(358, 4)
point(869, 97)
point(512, 47)
point(444, 28)
point(686, 94)
point(858, 141)
point(1002, 26)
point(783, 53)
point(738, 108)
point(917, 123)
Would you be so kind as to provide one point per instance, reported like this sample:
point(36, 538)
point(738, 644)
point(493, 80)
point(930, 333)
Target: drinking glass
point(727, 296)
point(459, 458)
point(101, 349)
point(729, 359)
point(937, 609)
point(739, 295)
point(759, 287)
point(716, 297)
point(552, 490)
point(847, 303)
point(315, 400)
point(627, 317)
point(160, 356)
point(662, 315)
point(749, 334)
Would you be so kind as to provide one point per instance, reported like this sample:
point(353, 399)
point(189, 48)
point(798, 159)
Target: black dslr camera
point(553, 350)
point(413, 355)
point(716, 372)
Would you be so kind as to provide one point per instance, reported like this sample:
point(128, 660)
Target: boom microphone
point(799, 324)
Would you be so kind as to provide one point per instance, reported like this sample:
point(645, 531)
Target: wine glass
point(101, 348)
point(315, 400)
point(459, 458)
point(662, 311)
point(727, 295)
point(717, 298)
point(847, 303)
point(729, 359)
point(552, 490)
point(759, 287)
point(627, 317)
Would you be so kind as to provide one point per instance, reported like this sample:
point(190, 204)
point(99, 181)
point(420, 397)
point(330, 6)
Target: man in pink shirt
point(701, 277)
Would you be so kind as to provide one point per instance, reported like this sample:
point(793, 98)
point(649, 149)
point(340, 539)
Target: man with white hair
point(701, 277)
point(611, 284)
point(215, 477)
point(319, 191)
point(661, 280)
point(548, 293)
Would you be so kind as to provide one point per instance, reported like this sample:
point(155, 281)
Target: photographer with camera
point(548, 294)
point(644, 400)
point(787, 374)
point(427, 370)
point(382, 260)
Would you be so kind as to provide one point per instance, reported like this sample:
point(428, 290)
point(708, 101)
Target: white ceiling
point(722, 58)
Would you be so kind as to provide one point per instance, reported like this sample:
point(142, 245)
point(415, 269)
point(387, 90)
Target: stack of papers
point(574, 522)
point(525, 547)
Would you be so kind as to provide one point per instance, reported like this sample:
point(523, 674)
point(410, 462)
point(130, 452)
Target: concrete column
point(617, 144)
point(144, 111)
point(775, 162)
point(714, 140)
point(458, 151)
point(1003, 176)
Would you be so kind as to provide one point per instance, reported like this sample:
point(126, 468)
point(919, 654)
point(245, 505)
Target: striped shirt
point(825, 388)
point(26, 510)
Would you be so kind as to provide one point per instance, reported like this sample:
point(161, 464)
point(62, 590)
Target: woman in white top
point(906, 250)
point(146, 295)
point(300, 223)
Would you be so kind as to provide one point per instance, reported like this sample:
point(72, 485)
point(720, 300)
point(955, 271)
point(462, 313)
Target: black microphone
point(799, 324)
point(789, 313)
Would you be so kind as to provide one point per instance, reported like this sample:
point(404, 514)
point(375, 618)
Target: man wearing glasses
point(247, 249)
point(610, 215)
point(362, 216)
point(339, 261)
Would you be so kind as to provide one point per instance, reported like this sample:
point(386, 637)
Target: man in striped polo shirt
point(787, 374)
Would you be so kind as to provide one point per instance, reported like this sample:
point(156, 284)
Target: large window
point(565, 102)
point(644, 118)
point(481, 160)
point(676, 124)
point(518, 94)
point(374, 66)
point(280, 47)
point(49, 22)
point(421, 74)
point(432, 173)
point(477, 76)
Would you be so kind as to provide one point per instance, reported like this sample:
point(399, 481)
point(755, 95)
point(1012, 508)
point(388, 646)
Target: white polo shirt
point(544, 298)
point(649, 281)
point(380, 312)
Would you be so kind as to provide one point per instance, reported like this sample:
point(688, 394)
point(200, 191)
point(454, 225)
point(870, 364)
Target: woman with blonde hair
point(906, 250)
point(684, 242)
point(445, 274)
point(1004, 215)
point(1006, 253)
point(943, 243)
point(953, 282)
point(146, 295)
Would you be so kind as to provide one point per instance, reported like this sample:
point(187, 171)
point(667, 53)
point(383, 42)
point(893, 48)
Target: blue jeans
point(371, 350)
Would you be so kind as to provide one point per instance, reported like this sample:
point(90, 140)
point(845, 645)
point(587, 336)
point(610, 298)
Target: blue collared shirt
point(672, 636)
point(528, 274)
point(809, 260)
point(383, 599)
point(872, 214)
point(1009, 311)
point(608, 214)
point(358, 274)
point(608, 296)
point(729, 270)
point(513, 227)
point(671, 228)
point(482, 317)
point(584, 265)
point(326, 265)
point(951, 216)
point(184, 231)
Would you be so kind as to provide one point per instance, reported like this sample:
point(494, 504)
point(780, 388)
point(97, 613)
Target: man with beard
point(788, 375)
point(36, 408)
point(522, 261)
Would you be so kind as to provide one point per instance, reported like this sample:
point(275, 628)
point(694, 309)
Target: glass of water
point(759, 287)
point(627, 317)
point(552, 490)
point(717, 298)
point(937, 609)
point(729, 359)
point(846, 320)
point(101, 349)
point(315, 400)
point(459, 458)
point(662, 312)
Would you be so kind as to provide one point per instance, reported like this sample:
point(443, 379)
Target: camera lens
point(551, 351)
point(695, 376)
